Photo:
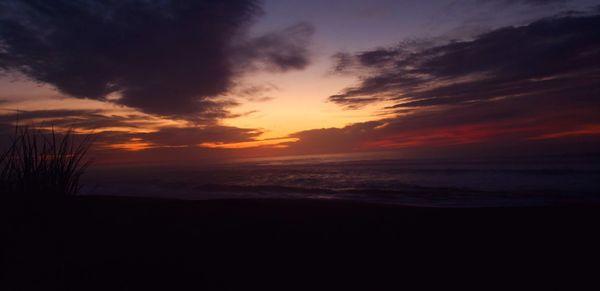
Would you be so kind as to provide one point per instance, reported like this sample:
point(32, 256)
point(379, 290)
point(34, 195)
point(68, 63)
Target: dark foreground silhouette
point(103, 243)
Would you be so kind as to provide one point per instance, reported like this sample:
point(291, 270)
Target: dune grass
point(37, 163)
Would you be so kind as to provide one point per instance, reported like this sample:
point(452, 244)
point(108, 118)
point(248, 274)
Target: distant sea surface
point(423, 182)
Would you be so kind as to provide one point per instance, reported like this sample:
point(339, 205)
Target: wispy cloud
point(554, 55)
point(503, 88)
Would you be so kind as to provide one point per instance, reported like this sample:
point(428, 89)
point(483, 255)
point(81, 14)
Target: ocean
point(414, 182)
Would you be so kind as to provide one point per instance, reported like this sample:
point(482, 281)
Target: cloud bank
point(514, 85)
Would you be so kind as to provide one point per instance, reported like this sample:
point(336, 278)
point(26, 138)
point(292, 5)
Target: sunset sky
point(184, 81)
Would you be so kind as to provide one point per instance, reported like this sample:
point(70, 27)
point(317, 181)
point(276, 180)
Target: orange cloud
point(457, 135)
point(137, 144)
point(590, 129)
point(278, 143)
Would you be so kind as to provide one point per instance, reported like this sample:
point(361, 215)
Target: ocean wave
point(398, 182)
point(408, 195)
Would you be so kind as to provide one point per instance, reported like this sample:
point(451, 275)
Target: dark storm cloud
point(166, 58)
point(555, 55)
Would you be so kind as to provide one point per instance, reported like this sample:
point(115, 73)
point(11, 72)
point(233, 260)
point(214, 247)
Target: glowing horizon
point(299, 78)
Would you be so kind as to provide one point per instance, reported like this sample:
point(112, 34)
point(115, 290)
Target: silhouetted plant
point(37, 163)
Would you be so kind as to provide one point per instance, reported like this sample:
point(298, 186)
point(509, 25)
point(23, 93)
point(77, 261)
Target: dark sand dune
point(103, 243)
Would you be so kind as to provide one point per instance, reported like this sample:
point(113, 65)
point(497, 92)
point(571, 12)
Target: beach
point(109, 243)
